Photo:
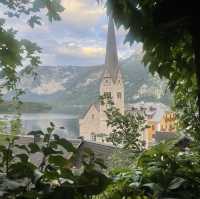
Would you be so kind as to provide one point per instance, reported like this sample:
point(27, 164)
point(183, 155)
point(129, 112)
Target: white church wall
point(89, 125)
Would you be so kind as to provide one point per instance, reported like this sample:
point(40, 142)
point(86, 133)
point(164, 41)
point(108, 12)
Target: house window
point(119, 95)
point(93, 137)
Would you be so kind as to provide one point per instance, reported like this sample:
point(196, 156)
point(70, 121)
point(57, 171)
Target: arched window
point(119, 95)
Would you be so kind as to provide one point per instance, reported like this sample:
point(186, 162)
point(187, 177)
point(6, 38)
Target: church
point(93, 124)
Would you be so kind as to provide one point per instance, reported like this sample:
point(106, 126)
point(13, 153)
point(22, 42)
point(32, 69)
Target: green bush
point(164, 171)
point(56, 176)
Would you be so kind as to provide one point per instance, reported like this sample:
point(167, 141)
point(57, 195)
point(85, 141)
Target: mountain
point(72, 88)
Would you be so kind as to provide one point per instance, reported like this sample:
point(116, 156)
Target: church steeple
point(111, 61)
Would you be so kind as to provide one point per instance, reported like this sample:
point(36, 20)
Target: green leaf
point(59, 160)
point(23, 157)
point(50, 130)
point(22, 170)
point(34, 148)
point(34, 20)
point(176, 183)
point(50, 151)
point(65, 144)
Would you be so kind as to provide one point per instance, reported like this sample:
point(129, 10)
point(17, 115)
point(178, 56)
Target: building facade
point(158, 118)
point(93, 124)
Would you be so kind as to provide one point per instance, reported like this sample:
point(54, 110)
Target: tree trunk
point(196, 46)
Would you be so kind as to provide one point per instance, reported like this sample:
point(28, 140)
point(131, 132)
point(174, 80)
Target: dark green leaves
point(58, 160)
point(34, 20)
point(34, 148)
point(126, 127)
point(176, 183)
point(19, 54)
point(64, 143)
point(49, 169)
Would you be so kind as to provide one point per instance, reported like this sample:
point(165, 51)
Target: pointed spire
point(111, 62)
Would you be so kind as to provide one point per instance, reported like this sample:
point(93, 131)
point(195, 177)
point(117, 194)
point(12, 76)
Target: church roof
point(111, 61)
point(96, 105)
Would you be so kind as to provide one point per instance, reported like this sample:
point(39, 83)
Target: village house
point(159, 120)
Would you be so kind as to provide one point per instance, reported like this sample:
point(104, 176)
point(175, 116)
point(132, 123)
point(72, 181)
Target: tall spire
point(111, 62)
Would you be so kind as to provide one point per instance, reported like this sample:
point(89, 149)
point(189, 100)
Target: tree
point(186, 111)
point(170, 35)
point(126, 128)
point(14, 52)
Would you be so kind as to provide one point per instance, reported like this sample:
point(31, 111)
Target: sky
point(78, 39)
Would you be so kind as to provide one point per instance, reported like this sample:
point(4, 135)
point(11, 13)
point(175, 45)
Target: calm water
point(66, 125)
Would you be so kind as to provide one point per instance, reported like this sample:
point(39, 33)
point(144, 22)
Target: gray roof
point(111, 61)
point(164, 136)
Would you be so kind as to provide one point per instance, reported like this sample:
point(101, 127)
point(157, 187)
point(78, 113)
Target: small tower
point(112, 81)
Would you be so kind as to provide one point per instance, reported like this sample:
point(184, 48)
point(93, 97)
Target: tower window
point(93, 137)
point(107, 94)
point(107, 81)
point(119, 95)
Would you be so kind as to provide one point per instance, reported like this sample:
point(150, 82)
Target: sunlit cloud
point(93, 52)
point(79, 51)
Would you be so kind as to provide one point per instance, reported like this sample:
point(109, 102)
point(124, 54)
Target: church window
point(107, 94)
point(93, 116)
point(119, 95)
point(107, 81)
point(93, 137)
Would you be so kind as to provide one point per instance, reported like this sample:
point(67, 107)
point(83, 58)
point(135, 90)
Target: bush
point(56, 175)
point(164, 171)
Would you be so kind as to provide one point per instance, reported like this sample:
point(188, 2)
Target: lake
point(66, 125)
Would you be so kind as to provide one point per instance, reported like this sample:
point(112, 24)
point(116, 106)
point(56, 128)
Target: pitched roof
point(101, 150)
point(111, 60)
point(96, 105)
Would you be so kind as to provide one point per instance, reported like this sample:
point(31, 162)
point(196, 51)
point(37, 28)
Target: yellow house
point(166, 123)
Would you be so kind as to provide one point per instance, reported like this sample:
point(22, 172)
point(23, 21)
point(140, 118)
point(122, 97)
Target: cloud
point(82, 12)
point(49, 88)
point(78, 39)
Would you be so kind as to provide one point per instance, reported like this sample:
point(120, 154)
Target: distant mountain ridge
point(67, 88)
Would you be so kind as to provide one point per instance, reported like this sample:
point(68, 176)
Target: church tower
point(112, 81)
point(94, 121)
